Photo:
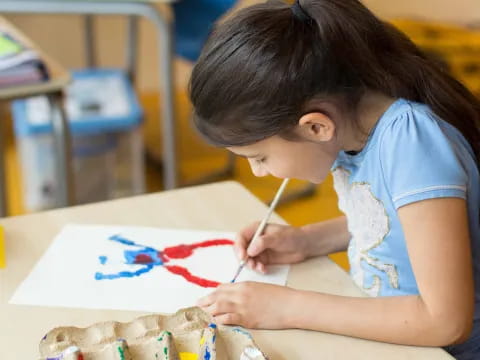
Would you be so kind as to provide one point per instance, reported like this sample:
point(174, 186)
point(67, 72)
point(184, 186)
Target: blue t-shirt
point(411, 155)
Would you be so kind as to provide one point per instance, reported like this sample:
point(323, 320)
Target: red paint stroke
point(180, 270)
point(184, 251)
point(143, 259)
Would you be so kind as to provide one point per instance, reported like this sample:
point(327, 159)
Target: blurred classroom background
point(448, 30)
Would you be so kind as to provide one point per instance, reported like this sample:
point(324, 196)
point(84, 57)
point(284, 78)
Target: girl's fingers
point(260, 268)
point(240, 250)
point(228, 319)
point(219, 308)
point(242, 240)
point(246, 235)
point(206, 300)
point(257, 264)
point(258, 246)
point(264, 258)
point(213, 310)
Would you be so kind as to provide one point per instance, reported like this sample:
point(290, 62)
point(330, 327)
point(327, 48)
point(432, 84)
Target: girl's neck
point(369, 110)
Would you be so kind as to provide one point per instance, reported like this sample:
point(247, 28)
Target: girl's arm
point(438, 243)
point(334, 237)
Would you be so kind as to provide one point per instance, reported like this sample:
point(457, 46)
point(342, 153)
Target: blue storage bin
point(104, 118)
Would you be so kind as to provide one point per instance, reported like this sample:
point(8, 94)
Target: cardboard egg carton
point(187, 335)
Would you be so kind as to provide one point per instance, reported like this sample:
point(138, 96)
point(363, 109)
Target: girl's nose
point(257, 168)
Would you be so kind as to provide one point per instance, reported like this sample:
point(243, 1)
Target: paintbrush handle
point(263, 223)
point(271, 208)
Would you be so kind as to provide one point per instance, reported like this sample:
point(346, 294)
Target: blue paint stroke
point(243, 332)
point(125, 241)
point(68, 351)
point(121, 240)
point(123, 274)
point(207, 354)
point(212, 325)
point(146, 255)
point(58, 357)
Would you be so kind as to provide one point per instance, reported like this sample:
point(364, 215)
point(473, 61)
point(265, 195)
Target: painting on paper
point(134, 268)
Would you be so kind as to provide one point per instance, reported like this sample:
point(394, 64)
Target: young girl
point(324, 85)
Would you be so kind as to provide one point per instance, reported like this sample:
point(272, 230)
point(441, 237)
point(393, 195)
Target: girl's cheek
point(281, 170)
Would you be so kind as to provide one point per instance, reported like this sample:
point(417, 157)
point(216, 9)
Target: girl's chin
point(316, 180)
point(313, 180)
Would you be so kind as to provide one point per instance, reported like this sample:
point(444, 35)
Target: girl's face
point(302, 159)
point(319, 139)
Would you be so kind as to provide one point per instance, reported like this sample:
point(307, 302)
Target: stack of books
point(19, 65)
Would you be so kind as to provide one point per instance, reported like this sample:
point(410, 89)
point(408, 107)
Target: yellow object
point(202, 340)
point(457, 48)
point(188, 356)
point(3, 262)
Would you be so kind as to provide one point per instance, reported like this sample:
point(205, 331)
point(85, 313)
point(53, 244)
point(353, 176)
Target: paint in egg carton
point(188, 334)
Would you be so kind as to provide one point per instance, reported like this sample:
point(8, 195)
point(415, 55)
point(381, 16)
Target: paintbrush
point(262, 225)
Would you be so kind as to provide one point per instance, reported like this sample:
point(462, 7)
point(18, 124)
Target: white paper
point(65, 275)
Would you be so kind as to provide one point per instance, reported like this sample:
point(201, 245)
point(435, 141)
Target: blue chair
point(193, 22)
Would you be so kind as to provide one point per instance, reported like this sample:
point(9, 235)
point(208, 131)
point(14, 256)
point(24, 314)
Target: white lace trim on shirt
point(430, 188)
point(368, 224)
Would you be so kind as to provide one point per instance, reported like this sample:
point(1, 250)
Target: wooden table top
point(223, 206)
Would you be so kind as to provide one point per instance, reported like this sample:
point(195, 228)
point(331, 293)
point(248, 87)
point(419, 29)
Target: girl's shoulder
point(405, 124)
point(422, 156)
point(402, 114)
point(408, 125)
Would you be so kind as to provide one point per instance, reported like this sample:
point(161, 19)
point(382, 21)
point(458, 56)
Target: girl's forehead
point(247, 151)
point(272, 143)
point(254, 149)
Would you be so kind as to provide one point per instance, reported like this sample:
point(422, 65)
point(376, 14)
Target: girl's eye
point(260, 161)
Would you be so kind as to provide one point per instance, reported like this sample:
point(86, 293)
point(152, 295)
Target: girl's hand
point(249, 304)
point(279, 244)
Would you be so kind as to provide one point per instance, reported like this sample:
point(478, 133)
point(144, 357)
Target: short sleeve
point(419, 161)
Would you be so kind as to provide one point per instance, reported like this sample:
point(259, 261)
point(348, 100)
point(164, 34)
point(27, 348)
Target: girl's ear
point(316, 126)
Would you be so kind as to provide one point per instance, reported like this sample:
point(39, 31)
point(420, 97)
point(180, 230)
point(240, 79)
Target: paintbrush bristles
point(263, 224)
point(242, 264)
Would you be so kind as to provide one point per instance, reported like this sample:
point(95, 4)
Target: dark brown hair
point(261, 67)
